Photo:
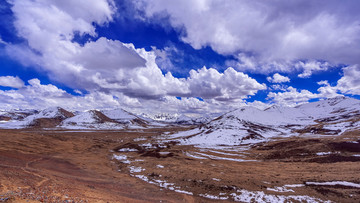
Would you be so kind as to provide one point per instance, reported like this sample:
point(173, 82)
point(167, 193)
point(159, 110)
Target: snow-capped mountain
point(62, 119)
point(119, 115)
point(177, 119)
point(186, 120)
point(331, 109)
point(47, 118)
point(90, 120)
point(165, 117)
point(16, 114)
point(124, 117)
point(249, 124)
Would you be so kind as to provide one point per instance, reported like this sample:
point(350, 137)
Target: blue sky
point(190, 57)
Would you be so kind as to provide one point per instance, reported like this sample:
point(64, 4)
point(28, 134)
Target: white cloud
point(109, 65)
point(37, 95)
point(306, 68)
point(11, 81)
point(163, 57)
point(291, 97)
point(277, 78)
point(350, 82)
point(310, 67)
point(99, 11)
point(118, 74)
point(279, 87)
point(110, 73)
point(2, 41)
point(326, 90)
point(209, 83)
point(273, 32)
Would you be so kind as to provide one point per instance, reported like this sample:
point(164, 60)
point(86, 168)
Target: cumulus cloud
point(277, 78)
point(271, 32)
point(209, 83)
point(305, 68)
point(110, 72)
point(350, 82)
point(164, 57)
point(32, 95)
point(116, 74)
point(279, 87)
point(310, 67)
point(11, 81)
point(40, 96)
point(326, 90)
point(291, 97)
point(37, 95)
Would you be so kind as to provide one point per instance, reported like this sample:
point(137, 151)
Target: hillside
point(62, 119)
point(250, 125)
point(47, 118)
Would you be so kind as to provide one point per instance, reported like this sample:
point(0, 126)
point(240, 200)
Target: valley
point(121, 166)
point(310, 153)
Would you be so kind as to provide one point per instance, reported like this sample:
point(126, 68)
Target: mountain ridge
point(251, 125)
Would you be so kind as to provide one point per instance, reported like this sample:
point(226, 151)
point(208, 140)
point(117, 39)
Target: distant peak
point(341, 97)
point(272, 107)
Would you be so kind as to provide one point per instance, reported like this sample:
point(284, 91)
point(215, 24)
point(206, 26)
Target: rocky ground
point(140, 166)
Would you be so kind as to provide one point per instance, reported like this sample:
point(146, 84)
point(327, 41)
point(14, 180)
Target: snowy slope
point(16, 114)
point(119, 115)
point(335, 107)
point(49, 117)
point(272, 116)
point(90, 120)
point(250, 125)
point(177, 119)
point(60, 118)
point(164, 117)
point(186, 120)
point(129, 119)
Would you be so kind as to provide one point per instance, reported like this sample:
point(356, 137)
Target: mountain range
point(250, 125)
point(247, 124)
point(114, 119)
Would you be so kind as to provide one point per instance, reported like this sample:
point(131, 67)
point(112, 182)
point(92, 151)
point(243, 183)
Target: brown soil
point(54, 166)
point(101, 117)
point(5, 118)
point(51, 122)
point(46, 122)
point(49, 166)
point(274, 164)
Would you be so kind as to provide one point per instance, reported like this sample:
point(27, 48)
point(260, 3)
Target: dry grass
point(55, 166)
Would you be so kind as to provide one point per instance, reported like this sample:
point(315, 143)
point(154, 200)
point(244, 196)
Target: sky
point(189, 57)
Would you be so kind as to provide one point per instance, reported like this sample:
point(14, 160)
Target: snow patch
point(213, 197)
point(324, 153)
point(134, 169)
point(122, 158)
point(333, 183)
point(163, 184)
point(127, 150)
point(285, 188)
point(260, 196)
